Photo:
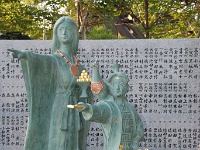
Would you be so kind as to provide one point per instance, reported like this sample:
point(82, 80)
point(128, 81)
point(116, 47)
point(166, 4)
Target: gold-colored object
point(117, 78)
point(96, 87)
point(84, 77)
point(121, 147)
point(73, 68)
point(75, 106)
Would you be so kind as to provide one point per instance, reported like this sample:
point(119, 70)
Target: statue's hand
point(85, 106)
point(17, 54)
point(95, 65)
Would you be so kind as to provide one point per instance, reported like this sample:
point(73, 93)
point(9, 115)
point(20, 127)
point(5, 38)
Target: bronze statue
point(122, 126)
point(51, 86)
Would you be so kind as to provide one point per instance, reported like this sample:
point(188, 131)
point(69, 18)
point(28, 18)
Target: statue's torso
point(128, 126)
point(65, 79)
point(65, 122)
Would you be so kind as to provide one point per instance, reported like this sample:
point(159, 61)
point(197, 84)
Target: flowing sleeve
point(40, 80)
point(98, 113)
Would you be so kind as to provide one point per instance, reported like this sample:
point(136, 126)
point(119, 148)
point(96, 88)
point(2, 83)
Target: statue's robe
point(108, 113)
point(50, 87)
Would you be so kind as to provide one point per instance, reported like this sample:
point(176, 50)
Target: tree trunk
point(146, 9)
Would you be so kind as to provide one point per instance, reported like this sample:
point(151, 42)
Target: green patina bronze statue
point(51, 85)
point(122, 126)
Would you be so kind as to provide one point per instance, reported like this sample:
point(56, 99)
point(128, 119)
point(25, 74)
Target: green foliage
point(100, 32)
point(159, 19)
point(13, 17)
point(28, 17)
point(175, 20)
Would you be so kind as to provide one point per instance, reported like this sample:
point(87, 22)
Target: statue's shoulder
point(103, 104)
point(55, 57)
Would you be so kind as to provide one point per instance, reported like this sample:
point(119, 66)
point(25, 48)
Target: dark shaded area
point(14, 36)
point(125, 28)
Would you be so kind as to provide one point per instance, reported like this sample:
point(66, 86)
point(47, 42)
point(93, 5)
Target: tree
point(101, 32)
point(28, 17)
point(130, 18)
point(13, 17)
point(143, 18)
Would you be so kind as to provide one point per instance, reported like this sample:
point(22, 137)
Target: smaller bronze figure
point(121, 124)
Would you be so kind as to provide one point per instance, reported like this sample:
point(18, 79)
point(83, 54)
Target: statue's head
point(65, 32)
point(118, 82)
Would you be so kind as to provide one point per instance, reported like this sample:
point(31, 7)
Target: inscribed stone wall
point(164, 86)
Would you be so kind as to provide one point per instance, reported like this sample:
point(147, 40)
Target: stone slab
point(164, 84)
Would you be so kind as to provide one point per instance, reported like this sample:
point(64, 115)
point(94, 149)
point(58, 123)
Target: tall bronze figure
point(51, 86)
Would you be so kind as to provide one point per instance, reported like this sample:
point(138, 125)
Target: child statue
point(121, 124)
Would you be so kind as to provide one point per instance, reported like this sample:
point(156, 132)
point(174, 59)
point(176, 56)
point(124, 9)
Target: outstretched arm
point(98, 113)
point(18, 54)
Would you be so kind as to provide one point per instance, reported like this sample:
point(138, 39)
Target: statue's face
point(118, 87)
point(64, 32)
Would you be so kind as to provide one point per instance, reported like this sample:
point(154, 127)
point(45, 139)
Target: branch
point(83, 23)
point(137, 19)
point(160, 16)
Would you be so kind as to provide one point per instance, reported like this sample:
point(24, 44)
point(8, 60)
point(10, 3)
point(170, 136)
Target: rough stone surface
point(164, 84)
